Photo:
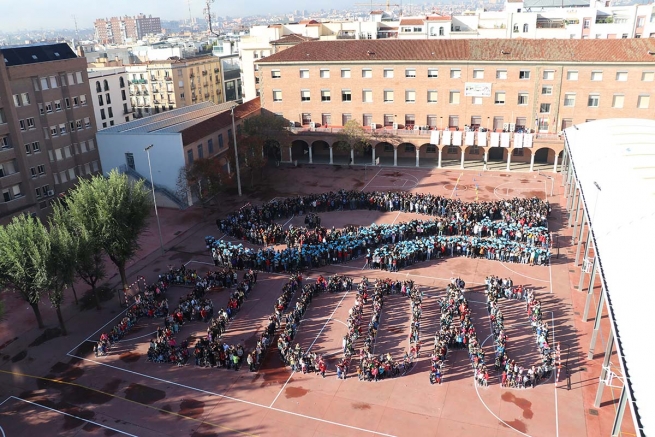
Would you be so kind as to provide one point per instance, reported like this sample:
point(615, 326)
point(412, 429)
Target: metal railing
point(158, 188)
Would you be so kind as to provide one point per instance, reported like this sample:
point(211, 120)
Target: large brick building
point(531, 89)
point(120, 30)
point(47, 126)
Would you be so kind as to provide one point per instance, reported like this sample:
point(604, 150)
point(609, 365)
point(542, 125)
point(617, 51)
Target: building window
point(455, 73)
point(388, 96)
point(388, 73)
point(647, 76)
point(200, 151)
point(524, 74)
point(210, 146)
point(476, 100)
point(367, 73)
point(499, 99)
point(189, 156)
point(345, 118)
point(544, 108)
point(432, 121)
point(275, 74)
point(220, 141)
point(367, 96)
point(432, 96)
point(306, 118)
point(345, 73)
point(346, 95)
point(622, 76)
point(410, 96)
point(30, 123)
point(549, 75)
point(569, 99)
point(498, 124)
point(304, 96)
point(433, 73)
point(523, 99)
point(478, 74)
point(593, 101)
point(304, 74)
point(572, 75)
point(410, 72)
point(324, 73)
point(546, 90)
point(367, 120)
point(326, 119)
point(325, 95)
point(501, 74)
point(102, 114)
point(585, 23)
point(277, 95)
point(454, 98)
point(431, 148)
point(389, 119)
point(643, 102)
point(596, 76)
point(525, 28)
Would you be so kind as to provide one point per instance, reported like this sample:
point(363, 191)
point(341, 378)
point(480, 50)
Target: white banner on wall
point(470, 138)
point(518, 141)
point(457, 138)
point(527, 140)
point(482, 139)
point(494, 139)
point(504, 139)
point(446, 138)
point(434, 137)
point(473, 89)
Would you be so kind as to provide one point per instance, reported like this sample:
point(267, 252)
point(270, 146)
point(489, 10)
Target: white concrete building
point(110, 96)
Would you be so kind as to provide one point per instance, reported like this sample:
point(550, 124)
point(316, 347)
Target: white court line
point(70, 415)
point(376, 175)
point(3, 432)
point(456, 183)
point(287, 222)
point(140, 336)
point(520, 274)
point(311, 345)
point(99, 329)
point(2, 403)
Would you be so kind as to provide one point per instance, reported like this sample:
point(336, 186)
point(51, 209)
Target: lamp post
point(154, 199)
point(236, 151)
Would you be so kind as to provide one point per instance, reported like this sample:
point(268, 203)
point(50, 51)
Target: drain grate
point(593, 412)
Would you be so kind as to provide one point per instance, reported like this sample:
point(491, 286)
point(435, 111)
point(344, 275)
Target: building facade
point(179, 137)
point(509, 94)
point(120, 30)
point(111, 98)
point(159, 86)
point(47, 127)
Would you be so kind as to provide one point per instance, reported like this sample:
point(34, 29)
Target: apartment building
point(165, 85)
point(111, 99)
point(120, 30)
point(47, 126)
point(535, 19)
point(445, 94)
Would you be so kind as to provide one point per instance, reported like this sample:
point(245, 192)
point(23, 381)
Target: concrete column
point(331, 156)
point(352, 156)
point(565, 164)
point(586, 255)
point(567, 184)
point(620, 410)
point(418, 151)
point(486, 156)
point(575, 207)
point(531, 161)
point(603, 371)
point(395, 156)
point(577, 252)
point(555, 165)
point(373, 157)
point(569, 194)
point(290, 155)
point(509, 158)
point(599, 315)
point(590, 289)
point(310, 155)
point(439, 162)
point(461, 164)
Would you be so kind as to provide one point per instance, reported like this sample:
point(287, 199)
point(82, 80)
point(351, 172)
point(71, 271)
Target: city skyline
point(41, 17)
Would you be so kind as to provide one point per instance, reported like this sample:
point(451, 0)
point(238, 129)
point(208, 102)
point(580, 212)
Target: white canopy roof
point(614, 163)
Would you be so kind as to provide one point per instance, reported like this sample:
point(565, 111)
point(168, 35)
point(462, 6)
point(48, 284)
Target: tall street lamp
point(154, 199)
point(236, 151)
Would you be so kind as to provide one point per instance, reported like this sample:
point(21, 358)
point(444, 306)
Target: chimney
point(80, 51)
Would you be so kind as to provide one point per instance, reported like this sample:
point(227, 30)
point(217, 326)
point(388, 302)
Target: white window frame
point(387, 73)
point(597, 76)
point(569, 100)
point(501, 74)
point(478, 73)
point(324, 73)
point(345, 73)
point(455, 73)
point(367, 73)
point(433, 73)
point(410, 73)
point(597, 100)
point(572, 75)
point(304, 73)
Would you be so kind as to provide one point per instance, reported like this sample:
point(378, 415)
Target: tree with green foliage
point(204, 177)
point(113, 212)
point(24, 253)
point(89, 264)
point(353, 137)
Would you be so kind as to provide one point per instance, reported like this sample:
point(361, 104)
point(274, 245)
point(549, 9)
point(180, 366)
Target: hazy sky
point(57, 14)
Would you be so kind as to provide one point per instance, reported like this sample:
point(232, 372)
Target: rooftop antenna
point(208, 16)
point(190, 16)
point(77, 32)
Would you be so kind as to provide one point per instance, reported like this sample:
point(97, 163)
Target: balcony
point(168, 78)
point(550, 24)
point(194, 97)
point(346, 34)
point(193, 87)
point(145, 92)
point(138, 93)
point(206, 95)
point(215, 70)
point(204, 73)
point(191, 76)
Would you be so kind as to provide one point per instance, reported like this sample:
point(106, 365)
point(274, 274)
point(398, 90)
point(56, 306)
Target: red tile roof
point(438, 18)
point(545, 50)
point(220, 121)
point(411, 22)
point(291, 39)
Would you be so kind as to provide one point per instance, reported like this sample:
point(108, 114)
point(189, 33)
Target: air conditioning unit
point(506, 127)
point(417, 127)
point(374, 126)
point(395, 126)
point(51, 193)
point(512, 127)
point(312, 125)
